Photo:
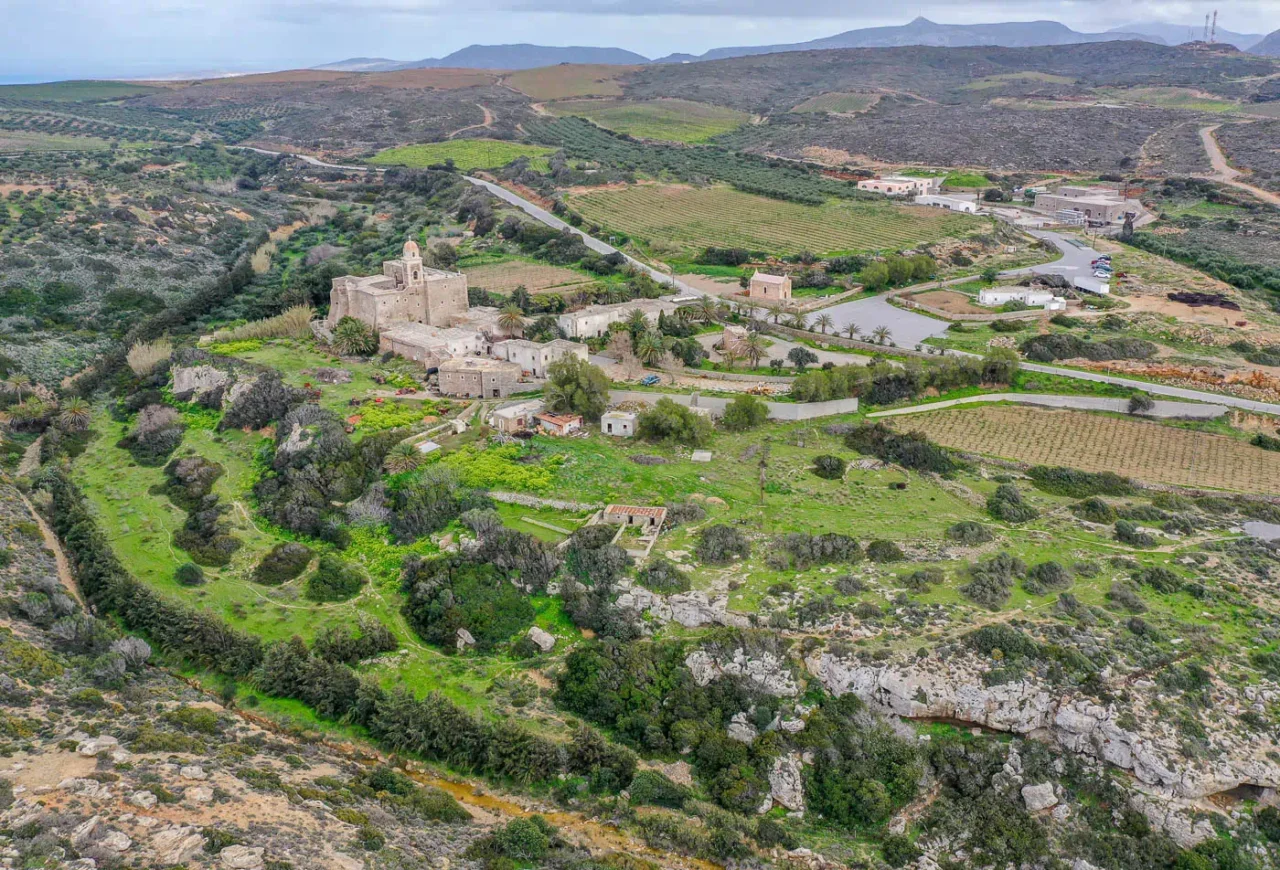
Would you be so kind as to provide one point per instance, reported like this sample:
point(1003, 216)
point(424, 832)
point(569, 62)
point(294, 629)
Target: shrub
point(282, 563)
point(1094, 510)
point(1006, 504)
point(663, 577)
point(684, 512)
point(675, 424)
point(824, 549)
point(1125, 594)
point(912, 450)
point(1141, 403)
point(924, 579)
point(828, 467)
point(347, 644)
point(1266, 442)
point(652, 787)
point(189, 480)
point(189, 574)
point(1074, 483)
point(991, 580)
point(969, 533)
point(156, 433)
point(1059, 345)
point(885, 552)
point(1046, 577)
point(576, 386)
point(267, 398)
point(847, 584)
point(1128, 533)
point(333, 580)
point(451, 593)
point(743, 413)
point(1159, 578)
point(720, 544)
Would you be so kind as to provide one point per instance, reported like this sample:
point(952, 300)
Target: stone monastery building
point(405, 292)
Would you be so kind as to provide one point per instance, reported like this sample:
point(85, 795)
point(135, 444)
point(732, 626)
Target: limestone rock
point(196, 383)
point(741, 729)
point(85, 830)
point(177, 845)
point(545, 641)
point(465, 639)
point(766, 670)
point(116, 841)
point(89, 788)
point(94, 745)
point(241, 857)
point(144, 799)
point(786, 782)
point(1039, 797)
point(193, 771)
point(198, 794)
point(346, 862)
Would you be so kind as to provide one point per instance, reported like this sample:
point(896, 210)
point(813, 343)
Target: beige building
point(734, 338)
point(535, 357)
point(619, 424)
point(1093, 205)
point(431, 345)
point(901, 185)
point(517, 417)
point(405, 292)
point(595, 320)
point(772, 288)
point(559, 424)
point(476, 377)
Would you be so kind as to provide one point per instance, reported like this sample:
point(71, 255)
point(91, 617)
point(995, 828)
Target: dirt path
point(30, 462)
point(52, 543)
point(489, 118)
point(1223, 171)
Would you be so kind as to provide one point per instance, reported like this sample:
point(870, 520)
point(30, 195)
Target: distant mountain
point(922, 31)
point(496, 57)
point(1176, 34)
point(1269, 45)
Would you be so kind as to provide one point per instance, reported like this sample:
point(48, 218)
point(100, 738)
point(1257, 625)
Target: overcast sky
point(46, 39)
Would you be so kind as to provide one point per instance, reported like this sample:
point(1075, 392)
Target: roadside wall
point(785, 411)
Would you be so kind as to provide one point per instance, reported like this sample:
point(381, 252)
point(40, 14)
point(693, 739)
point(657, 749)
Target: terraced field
point(466, 154)
point(690, 218)
point(1147, 451)
point(566, 81)
point(668, 120)
point(838, 102)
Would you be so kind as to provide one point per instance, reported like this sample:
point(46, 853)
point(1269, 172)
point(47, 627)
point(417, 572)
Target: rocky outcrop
point(1039, 797)
point(690, 609)
point(177, 845)
point(543, 640)
point(1167, 780)
point(203, 383)
point(764, 669)
point(786, 783)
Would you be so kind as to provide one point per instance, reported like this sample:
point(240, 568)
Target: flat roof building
point(619, 424)
point(594, 320)
point(536, 357)
point(516, 417)
point(479, 377)
point(950, 203)
point(431, 345)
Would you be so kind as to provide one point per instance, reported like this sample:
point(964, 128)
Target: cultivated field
point(17, 140)
point(1146, 451)
point(1002, 79)
point(570, 80)
point(466, 154)
point(1171, 98)
point(74, 91)
point(694, 218)
point(534, 277)
point(839, 102)
point(950, 301)
point(670, 120)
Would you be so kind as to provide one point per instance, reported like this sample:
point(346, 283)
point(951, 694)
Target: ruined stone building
point(405, 292)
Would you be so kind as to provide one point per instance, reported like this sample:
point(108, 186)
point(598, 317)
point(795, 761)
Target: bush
point(898, 850)
point(156, 434)
point(675, 424)
point(1266, 442)
point(1141, 403)
point(1128, 533)
point(346, 644)
point(1074, 483)
point(1125, 594)
point(352, 337)
point(282, 563)
point(451, 593)
point(743, 413)
point(1006, 504)
point(1094, 510)
point(924, 579)
point(969, 533)
point(333, 580)
point(652, 787)
point(828, 467)
point(1160, 579)
point(912, 450)
point(576, 386)
point(189, 574)
point(825, 549)
point(265, 400)
point(663, 577)
point(885, 552)
point(720, 544)
point(1060, 345)
point(991, 580)
point(1046, 577)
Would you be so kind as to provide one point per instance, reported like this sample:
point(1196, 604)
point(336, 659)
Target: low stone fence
point(916, 305)
point(785, 411)
point(737, 376)
point(1161, 409)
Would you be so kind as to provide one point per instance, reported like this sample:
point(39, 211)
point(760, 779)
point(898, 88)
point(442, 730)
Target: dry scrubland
point(841, 103)
point(1147, 451)
point(570, 80)
point(696, 218)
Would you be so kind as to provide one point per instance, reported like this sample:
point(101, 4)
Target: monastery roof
point(421, 333)
point(476, 363)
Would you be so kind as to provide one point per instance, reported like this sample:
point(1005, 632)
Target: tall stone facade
point(405, 292)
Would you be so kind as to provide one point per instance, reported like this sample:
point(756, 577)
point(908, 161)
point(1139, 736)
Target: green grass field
point(1171, 98)
point(669, 120)
point(21, 140)
point(1002, 79)
point(966, 179)
point(838, 102)
point(76, 91)
point(466, 154)
point(694, 218)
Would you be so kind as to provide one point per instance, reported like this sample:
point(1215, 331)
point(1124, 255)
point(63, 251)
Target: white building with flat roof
point(901, 185)
point(431, 345)
point(594, 320)
point(1030, 296)
point(950, 203)
point(535, 357)
point(619, 424)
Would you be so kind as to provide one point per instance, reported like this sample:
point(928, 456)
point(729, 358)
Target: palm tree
point(731, 355)
point(18, 383)
point(852, 329)
point(797, 321)
point(511, 319)
point(775, 315)
point(75, 415)
point(754, 348)
point(636, 321)
point(824, 322)
point(353, 337)
point(686, 313)
point(650, 347)
point(708, 308)
point(881, 334)
point(402, 458)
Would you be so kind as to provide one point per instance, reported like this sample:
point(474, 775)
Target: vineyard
point(671, 120)
point(778, 179)
point(1147, 451)
point(697, 218)
point(466, 154)
point(839, 102)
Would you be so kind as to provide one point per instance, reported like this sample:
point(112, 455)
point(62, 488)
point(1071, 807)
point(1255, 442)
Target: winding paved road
point(1073, 254)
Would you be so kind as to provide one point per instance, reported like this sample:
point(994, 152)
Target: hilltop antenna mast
point(1206, 27)
point(1213, 33)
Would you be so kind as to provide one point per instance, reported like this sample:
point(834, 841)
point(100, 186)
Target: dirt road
point(1223, 171)
point(483, 125)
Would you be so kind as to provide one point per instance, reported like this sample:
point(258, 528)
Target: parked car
point(1101, 274)
point(650, 380)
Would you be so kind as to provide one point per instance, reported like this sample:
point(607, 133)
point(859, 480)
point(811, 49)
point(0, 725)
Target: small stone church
point(405, 292)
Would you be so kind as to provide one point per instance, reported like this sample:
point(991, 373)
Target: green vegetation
point(966, 179)
point(464, 154)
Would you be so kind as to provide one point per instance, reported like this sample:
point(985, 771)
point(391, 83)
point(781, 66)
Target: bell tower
point(412, 258)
